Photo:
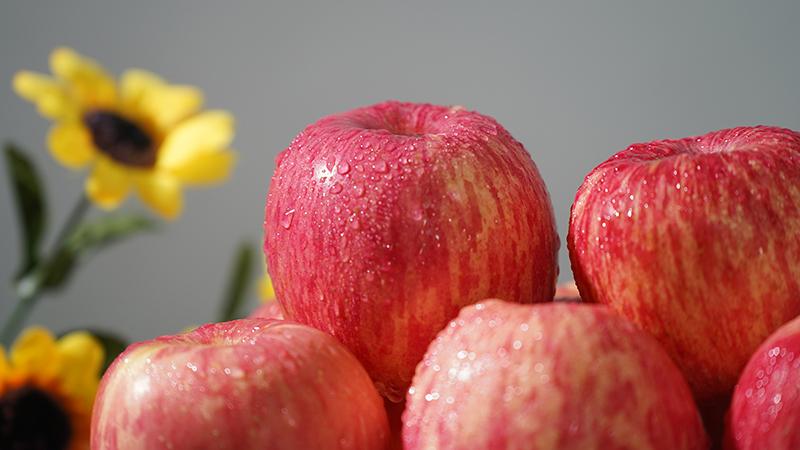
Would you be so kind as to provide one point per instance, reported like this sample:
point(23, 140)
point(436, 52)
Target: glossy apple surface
point(552, 376)
point(765, 411)
point(249, 384)
point(697, 240)
point(382, 222)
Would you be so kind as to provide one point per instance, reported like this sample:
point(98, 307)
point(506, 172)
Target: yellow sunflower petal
point(206, 167)
point(171, 104)
point(135, 84)
point(35, 352)
point(4, 368)
point(108, 184)
point(91, 85)
point(51, 98)
point(208, 130)
point(163, 104)
point(71, 144)
point(266, 289)
point(161, 192)
point(82, 357)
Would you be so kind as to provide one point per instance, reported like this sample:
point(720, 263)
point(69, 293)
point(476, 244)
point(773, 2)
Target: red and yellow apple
point(382, 222)
point(697, 241)
point(242, 385)
point(552, 376)
point(765, 411)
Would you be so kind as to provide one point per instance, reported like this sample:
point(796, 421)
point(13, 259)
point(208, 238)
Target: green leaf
point(88, 238)
point(113, 344)
point(239, 279)
point(31, 208)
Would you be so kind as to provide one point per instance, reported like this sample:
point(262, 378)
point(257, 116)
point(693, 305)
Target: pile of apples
point(413, 251)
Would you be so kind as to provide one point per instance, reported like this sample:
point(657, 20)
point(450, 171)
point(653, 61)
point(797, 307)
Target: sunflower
point(266, 291)
point(47, 388)
point(141, 134)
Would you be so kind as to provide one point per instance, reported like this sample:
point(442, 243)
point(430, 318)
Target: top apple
point(382, 222)
point(697, 240)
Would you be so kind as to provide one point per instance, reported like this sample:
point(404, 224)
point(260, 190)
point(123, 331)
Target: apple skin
point(245, 384)
point(765, 411)
point(382, 222)
point(394, 411)
point(697, 241)
point(567, 292)
point(559, 375)
point(268, 310)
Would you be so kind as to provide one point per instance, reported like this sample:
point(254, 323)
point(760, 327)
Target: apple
point(247, 384)
point(765, 411)
point(382, 222)
point(557, 375)
point(567, 292)
point(394, 411)
point(696, 240)
point(268, 310)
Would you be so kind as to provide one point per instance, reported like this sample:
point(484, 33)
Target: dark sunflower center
point(122, 140)
point(31, 419)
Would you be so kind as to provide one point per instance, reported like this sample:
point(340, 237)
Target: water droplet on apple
point(288, 417)
point(380, 166)
point(336, 188)
point(358, 190)
point(393, 394)
point(343, 168)
point(286, 220)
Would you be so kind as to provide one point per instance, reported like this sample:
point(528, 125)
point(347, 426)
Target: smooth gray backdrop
point(575, 82)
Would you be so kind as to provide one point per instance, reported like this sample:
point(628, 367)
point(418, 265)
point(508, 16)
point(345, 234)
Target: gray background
point(573, 82)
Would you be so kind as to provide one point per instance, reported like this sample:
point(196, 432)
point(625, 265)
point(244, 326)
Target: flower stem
point(30, 288)
point(12, 325)
point(73, 220)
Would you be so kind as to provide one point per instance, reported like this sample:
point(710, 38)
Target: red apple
point(382, 222)
point(394, 411)
point(269, 310)
point(245, 384)
point(567, 292)
point(696, 240)
point(765, 412)
point(553, 376)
